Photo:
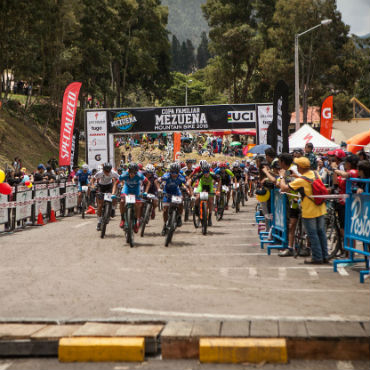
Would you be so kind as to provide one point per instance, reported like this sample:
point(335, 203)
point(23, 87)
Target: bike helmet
point(182, 164)
point(236, 164)
point(175, 167)
point(242, 165)
point(206, 167)
point(85, 167)
point(214, 164)
point(140, 166)
point(189, 161)
point(222, 165)
point(133, 167)
point(107, 167)
point(149, 168)
point(203, 163)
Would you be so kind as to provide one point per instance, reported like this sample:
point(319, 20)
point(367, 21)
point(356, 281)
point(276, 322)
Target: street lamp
point(296, 69)
point(186, 91)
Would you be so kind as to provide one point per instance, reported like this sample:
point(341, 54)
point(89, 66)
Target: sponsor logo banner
point(326, 121)
point(265, 117)
point(359, 223)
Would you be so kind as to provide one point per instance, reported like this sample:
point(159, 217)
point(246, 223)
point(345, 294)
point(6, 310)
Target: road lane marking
point(200, 254)
point(82, 224)
point(312, 272)
point(143, 311)
point(282, 273)
point(342, 271)
point(5, 365)
point(252, 272)
point(224, 271)
point(345, 365)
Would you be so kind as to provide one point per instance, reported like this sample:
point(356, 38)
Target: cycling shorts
point(103, 189)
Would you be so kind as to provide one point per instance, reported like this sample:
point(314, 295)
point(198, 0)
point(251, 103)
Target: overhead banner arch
point(102, 124)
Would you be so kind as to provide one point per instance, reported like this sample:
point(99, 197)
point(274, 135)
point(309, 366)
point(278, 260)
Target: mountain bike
point(252, 186)
point(106, 213)
point(221, 202)
point(237, 197)
point(333, 230)
point(200, 216)
point(147, 211)
point(242, 192)
point(187, 205)
point(84, 201)
point(173, 216)
point(130, 219)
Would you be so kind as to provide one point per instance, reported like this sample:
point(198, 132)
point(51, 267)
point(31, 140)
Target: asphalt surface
point(64, 271)
point(157, 364)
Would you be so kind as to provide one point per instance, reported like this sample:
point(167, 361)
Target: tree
point(203, 52)
point(175, 54)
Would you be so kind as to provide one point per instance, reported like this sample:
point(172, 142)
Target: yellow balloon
point(2, 176)
point(263, 198)
point(29, 186)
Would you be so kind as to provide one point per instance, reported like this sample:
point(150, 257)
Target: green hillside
point(186, 20)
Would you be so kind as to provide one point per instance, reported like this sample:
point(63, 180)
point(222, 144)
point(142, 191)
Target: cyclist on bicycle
point(206, 181)
point(153, 186)
point(82, 178)
point(107, 183)
point(225, 178)
point(187, 171)
point(172, 181)
point(238, 173)
point(132, 179)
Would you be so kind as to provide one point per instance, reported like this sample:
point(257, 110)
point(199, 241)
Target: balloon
point(5, 188)
point(2, 176)
point(263, 198)
point(29, 185)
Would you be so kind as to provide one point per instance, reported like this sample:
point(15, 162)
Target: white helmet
point(85, 167)
point(150, 168)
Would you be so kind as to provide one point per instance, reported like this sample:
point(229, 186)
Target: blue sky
point(356, 13)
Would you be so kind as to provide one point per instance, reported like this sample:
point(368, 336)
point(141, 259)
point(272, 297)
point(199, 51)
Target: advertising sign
point(4, 217)
point(265, 117)
point(96, 137)
point(326, 119)
point(279, 211)
point(24, 203)
point(359, 222)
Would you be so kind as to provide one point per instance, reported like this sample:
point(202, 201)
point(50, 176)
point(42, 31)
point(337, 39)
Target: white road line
point(200, 254)
point(252, 272)
point(342, 271)
point(312, 272)
point(344, 365)
point(141, 311)
point(282, 273)
point(224, 271)
point(5, 365)
point(82, 224)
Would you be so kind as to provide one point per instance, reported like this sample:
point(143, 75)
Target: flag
point(326, 119)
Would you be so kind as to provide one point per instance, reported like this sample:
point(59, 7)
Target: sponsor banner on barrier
point(265, 117)
point(54, 194)
point(4, 216)
point(279, 210)
point(24, 203)
point(71, 196)
point(97, 138)
point(41, 201)
point(359, 217)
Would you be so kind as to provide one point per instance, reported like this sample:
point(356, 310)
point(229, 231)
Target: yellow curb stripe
point(85, 349)
point(239, 350)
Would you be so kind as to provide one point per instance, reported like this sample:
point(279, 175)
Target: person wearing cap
point(336, 159)
point(311, 156)
point(40, 174)
point(313, 215)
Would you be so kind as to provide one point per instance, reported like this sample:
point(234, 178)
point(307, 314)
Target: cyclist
point(252, 177)
point(159, 170)
point(187, 171)
point(172, 181)
point(225, 178)
point(205, 183)
point(152, 186)
point(82, 177)
point(238, 173)
point(107, 183)
point(132, 179)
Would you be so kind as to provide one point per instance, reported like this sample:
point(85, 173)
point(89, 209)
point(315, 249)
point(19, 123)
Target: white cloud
point(356, 13)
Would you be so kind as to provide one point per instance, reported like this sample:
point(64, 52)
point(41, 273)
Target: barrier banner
point(70, 100)
point(279, 211)
point(54, 192)
point(265, 117)
point(24, 203)
point(41, 199)
point(4, 214)
point(71, 195)
point(358, 217)
point(326, 119)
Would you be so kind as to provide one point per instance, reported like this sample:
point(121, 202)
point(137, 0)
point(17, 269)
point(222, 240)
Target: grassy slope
point(25, 141)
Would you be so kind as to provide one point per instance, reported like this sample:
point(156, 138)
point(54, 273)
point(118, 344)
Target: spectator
point(363, 173)
point(50, 176)
point(40, 174)
point(310, 155)
point(271, 156)
point(313, 215)
point(298, 153)
point(363, 156)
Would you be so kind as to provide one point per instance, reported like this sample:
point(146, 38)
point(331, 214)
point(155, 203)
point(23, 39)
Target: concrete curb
point(181, 339)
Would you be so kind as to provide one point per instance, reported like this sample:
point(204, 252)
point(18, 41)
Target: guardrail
point(23, 206)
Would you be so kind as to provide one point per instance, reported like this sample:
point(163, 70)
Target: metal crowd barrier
point(357, 226)
point(23, 206)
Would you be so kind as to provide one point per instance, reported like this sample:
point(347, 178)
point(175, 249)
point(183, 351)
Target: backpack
point(318, 188)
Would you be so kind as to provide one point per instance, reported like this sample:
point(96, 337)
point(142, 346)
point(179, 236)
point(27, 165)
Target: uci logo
point(326, 113)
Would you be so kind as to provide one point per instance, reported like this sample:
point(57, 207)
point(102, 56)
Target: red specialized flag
point(176, 145)
point(70, 100)
point(327, 117)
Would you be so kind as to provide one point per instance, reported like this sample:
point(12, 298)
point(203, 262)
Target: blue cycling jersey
point(132, 185)
point(172, 186)
point(83, 177)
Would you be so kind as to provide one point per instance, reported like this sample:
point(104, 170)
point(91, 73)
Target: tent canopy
point(306, 134)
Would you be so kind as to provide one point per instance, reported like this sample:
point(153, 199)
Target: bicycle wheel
point(242, 197)
point(147, 213)
point(220, 207)
point(333, 236)
point(171, 227)
point(130, 227)
point(196, 218)
point(204, 217)
point(105, 219)
point(186, 209)
point(83, 205)
point(300, 241)
point(237, 202)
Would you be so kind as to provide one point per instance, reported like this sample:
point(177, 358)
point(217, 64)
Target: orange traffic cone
point(52, 216)
point(40, 220)
point(90, 211)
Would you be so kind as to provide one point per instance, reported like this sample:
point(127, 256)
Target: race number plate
point(252, 177)
point(107, 197)
point(85, 188)
point(225, 188)
point(236, 186)
point(151, 196)
point(130, 199)
point(203, 195)
point(176, 199)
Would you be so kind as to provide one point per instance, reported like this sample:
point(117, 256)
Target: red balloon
point(5, 188)
point(27, 183)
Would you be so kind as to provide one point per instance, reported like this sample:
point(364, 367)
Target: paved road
point(64, 271)
point(157, 364)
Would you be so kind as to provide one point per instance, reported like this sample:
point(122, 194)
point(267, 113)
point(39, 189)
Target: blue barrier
point(357, 226)
point(277, 238)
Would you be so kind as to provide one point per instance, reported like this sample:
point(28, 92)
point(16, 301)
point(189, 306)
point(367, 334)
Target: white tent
point(306, 134)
